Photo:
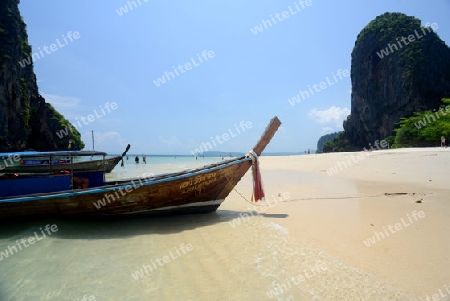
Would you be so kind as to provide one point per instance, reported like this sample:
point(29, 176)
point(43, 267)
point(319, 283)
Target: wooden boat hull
point(196, 191)
point(106, 165)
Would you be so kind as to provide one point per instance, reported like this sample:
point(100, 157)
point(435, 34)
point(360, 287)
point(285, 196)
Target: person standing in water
point(136, 159)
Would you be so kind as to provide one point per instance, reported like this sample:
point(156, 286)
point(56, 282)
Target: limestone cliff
point(398, 67)
point(26, 120)
point(323, 139)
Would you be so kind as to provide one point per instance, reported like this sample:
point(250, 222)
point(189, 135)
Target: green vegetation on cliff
point(58, 121)
point(424, 128)
point(323, 140)
point(399, 67)
point(397, 32)
point(26, 120)
point(338, 144)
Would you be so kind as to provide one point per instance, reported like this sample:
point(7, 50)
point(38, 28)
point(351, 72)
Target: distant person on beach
point(144, 159)
point(443, 141)
point(136, 159)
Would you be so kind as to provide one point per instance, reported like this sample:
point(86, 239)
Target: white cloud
point(169, 141)
point(110, 140)
point(326, 130)
point(74, 111)
point(334, 115)
point(107, 136)
point(282, 131)
point(62, 103)
point(69, 107)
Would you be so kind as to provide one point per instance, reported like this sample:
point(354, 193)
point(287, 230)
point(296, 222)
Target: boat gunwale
point(33, 154)
point(128, 182)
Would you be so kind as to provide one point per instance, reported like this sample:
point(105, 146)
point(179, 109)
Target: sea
point(236, 253)
point(159, 164)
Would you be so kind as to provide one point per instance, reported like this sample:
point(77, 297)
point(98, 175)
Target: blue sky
point(118, 56)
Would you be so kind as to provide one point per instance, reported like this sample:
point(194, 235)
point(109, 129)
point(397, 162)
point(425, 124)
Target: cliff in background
point(26, 120)
point(394, 77)
point(323, 139)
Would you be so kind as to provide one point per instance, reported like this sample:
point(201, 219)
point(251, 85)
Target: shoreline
point(339, 213)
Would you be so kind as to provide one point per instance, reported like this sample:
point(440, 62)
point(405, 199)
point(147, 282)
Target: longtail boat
point(198, 190)
point(46, 162)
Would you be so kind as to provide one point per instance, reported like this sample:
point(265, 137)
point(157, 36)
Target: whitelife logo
point(280, 17)
point(52, 48)
point(187, 66)
point(391, 48)
point(422, 123)
point(225, 137)
point(319, 87)
point(398, 226)
point(124, 9)
point(356, 158)
point(109, 197)
point(31, 240)
point(13, 159)
point(86, 120)
point(161, 261)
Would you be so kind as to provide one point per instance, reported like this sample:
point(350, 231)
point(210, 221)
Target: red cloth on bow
point(258, 192)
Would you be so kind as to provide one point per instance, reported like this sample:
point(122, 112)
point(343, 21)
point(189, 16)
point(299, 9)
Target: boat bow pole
point(124, 153)
point(258, 192)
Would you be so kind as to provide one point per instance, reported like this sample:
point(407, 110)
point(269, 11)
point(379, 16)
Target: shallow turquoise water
point(159, 165)
point(227, 255)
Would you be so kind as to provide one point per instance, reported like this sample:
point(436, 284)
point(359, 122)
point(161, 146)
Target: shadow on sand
point(275, 215)
point(109, 228)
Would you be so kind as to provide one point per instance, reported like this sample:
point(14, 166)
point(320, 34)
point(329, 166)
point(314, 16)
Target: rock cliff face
point(26, 120)
point(398, 67)
point(323, 139)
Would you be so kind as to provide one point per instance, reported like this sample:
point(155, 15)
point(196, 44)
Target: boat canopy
point(34, 154)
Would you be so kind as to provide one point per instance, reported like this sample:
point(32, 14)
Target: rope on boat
point(240, 194)
point(258, 192)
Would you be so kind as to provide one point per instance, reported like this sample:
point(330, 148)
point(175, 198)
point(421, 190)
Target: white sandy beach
point(338, 213)
point(311, 246)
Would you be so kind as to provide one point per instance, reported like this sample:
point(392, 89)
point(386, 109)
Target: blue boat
point(45, 162)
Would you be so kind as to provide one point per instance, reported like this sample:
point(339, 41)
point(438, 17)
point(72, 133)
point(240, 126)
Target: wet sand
point(310, 246)
point(338, 213)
